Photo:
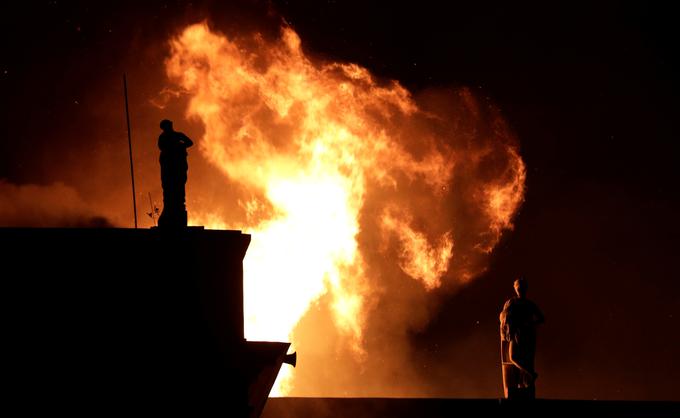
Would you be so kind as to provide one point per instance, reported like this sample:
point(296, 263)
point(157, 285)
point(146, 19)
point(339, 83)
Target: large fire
point(341, 179)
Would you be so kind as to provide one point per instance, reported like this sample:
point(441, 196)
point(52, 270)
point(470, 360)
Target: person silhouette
point(519, 319)
point(174, 167)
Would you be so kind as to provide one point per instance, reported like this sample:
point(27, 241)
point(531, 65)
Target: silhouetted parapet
point(112, 319)
point(447, 408)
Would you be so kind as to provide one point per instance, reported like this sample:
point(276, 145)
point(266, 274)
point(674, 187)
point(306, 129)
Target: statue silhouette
point(519, 319)
point(174, 167)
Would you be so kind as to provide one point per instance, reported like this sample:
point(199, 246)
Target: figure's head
point(521, 287)
point(166, 125)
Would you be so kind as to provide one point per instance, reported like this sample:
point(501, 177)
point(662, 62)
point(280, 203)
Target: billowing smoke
point(366, 203)
point(55, 205)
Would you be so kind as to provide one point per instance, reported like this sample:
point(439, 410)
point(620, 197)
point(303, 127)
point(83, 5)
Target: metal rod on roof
point(132, 170)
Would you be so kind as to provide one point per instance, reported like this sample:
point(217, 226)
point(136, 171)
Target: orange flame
point(309, 144)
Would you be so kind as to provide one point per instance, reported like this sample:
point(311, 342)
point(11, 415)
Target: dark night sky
point(590, 90)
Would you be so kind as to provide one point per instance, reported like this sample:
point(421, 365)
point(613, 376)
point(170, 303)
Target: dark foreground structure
point(130, 321)
point(448, 408)
point(125, 322)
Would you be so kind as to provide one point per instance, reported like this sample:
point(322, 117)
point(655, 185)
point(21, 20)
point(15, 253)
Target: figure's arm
point(186, 141)
point(516, 360)
point(512, 356)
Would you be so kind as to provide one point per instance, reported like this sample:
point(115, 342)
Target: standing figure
point(174, 167)
point(519, 319)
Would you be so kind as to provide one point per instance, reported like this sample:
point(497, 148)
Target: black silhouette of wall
point(121, 320)
point(447, 408)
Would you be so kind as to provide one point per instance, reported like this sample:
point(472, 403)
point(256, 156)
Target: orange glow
point(310, 143)
point(419, 259)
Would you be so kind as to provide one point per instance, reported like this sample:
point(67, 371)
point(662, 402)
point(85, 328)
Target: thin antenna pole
point(132, 170)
